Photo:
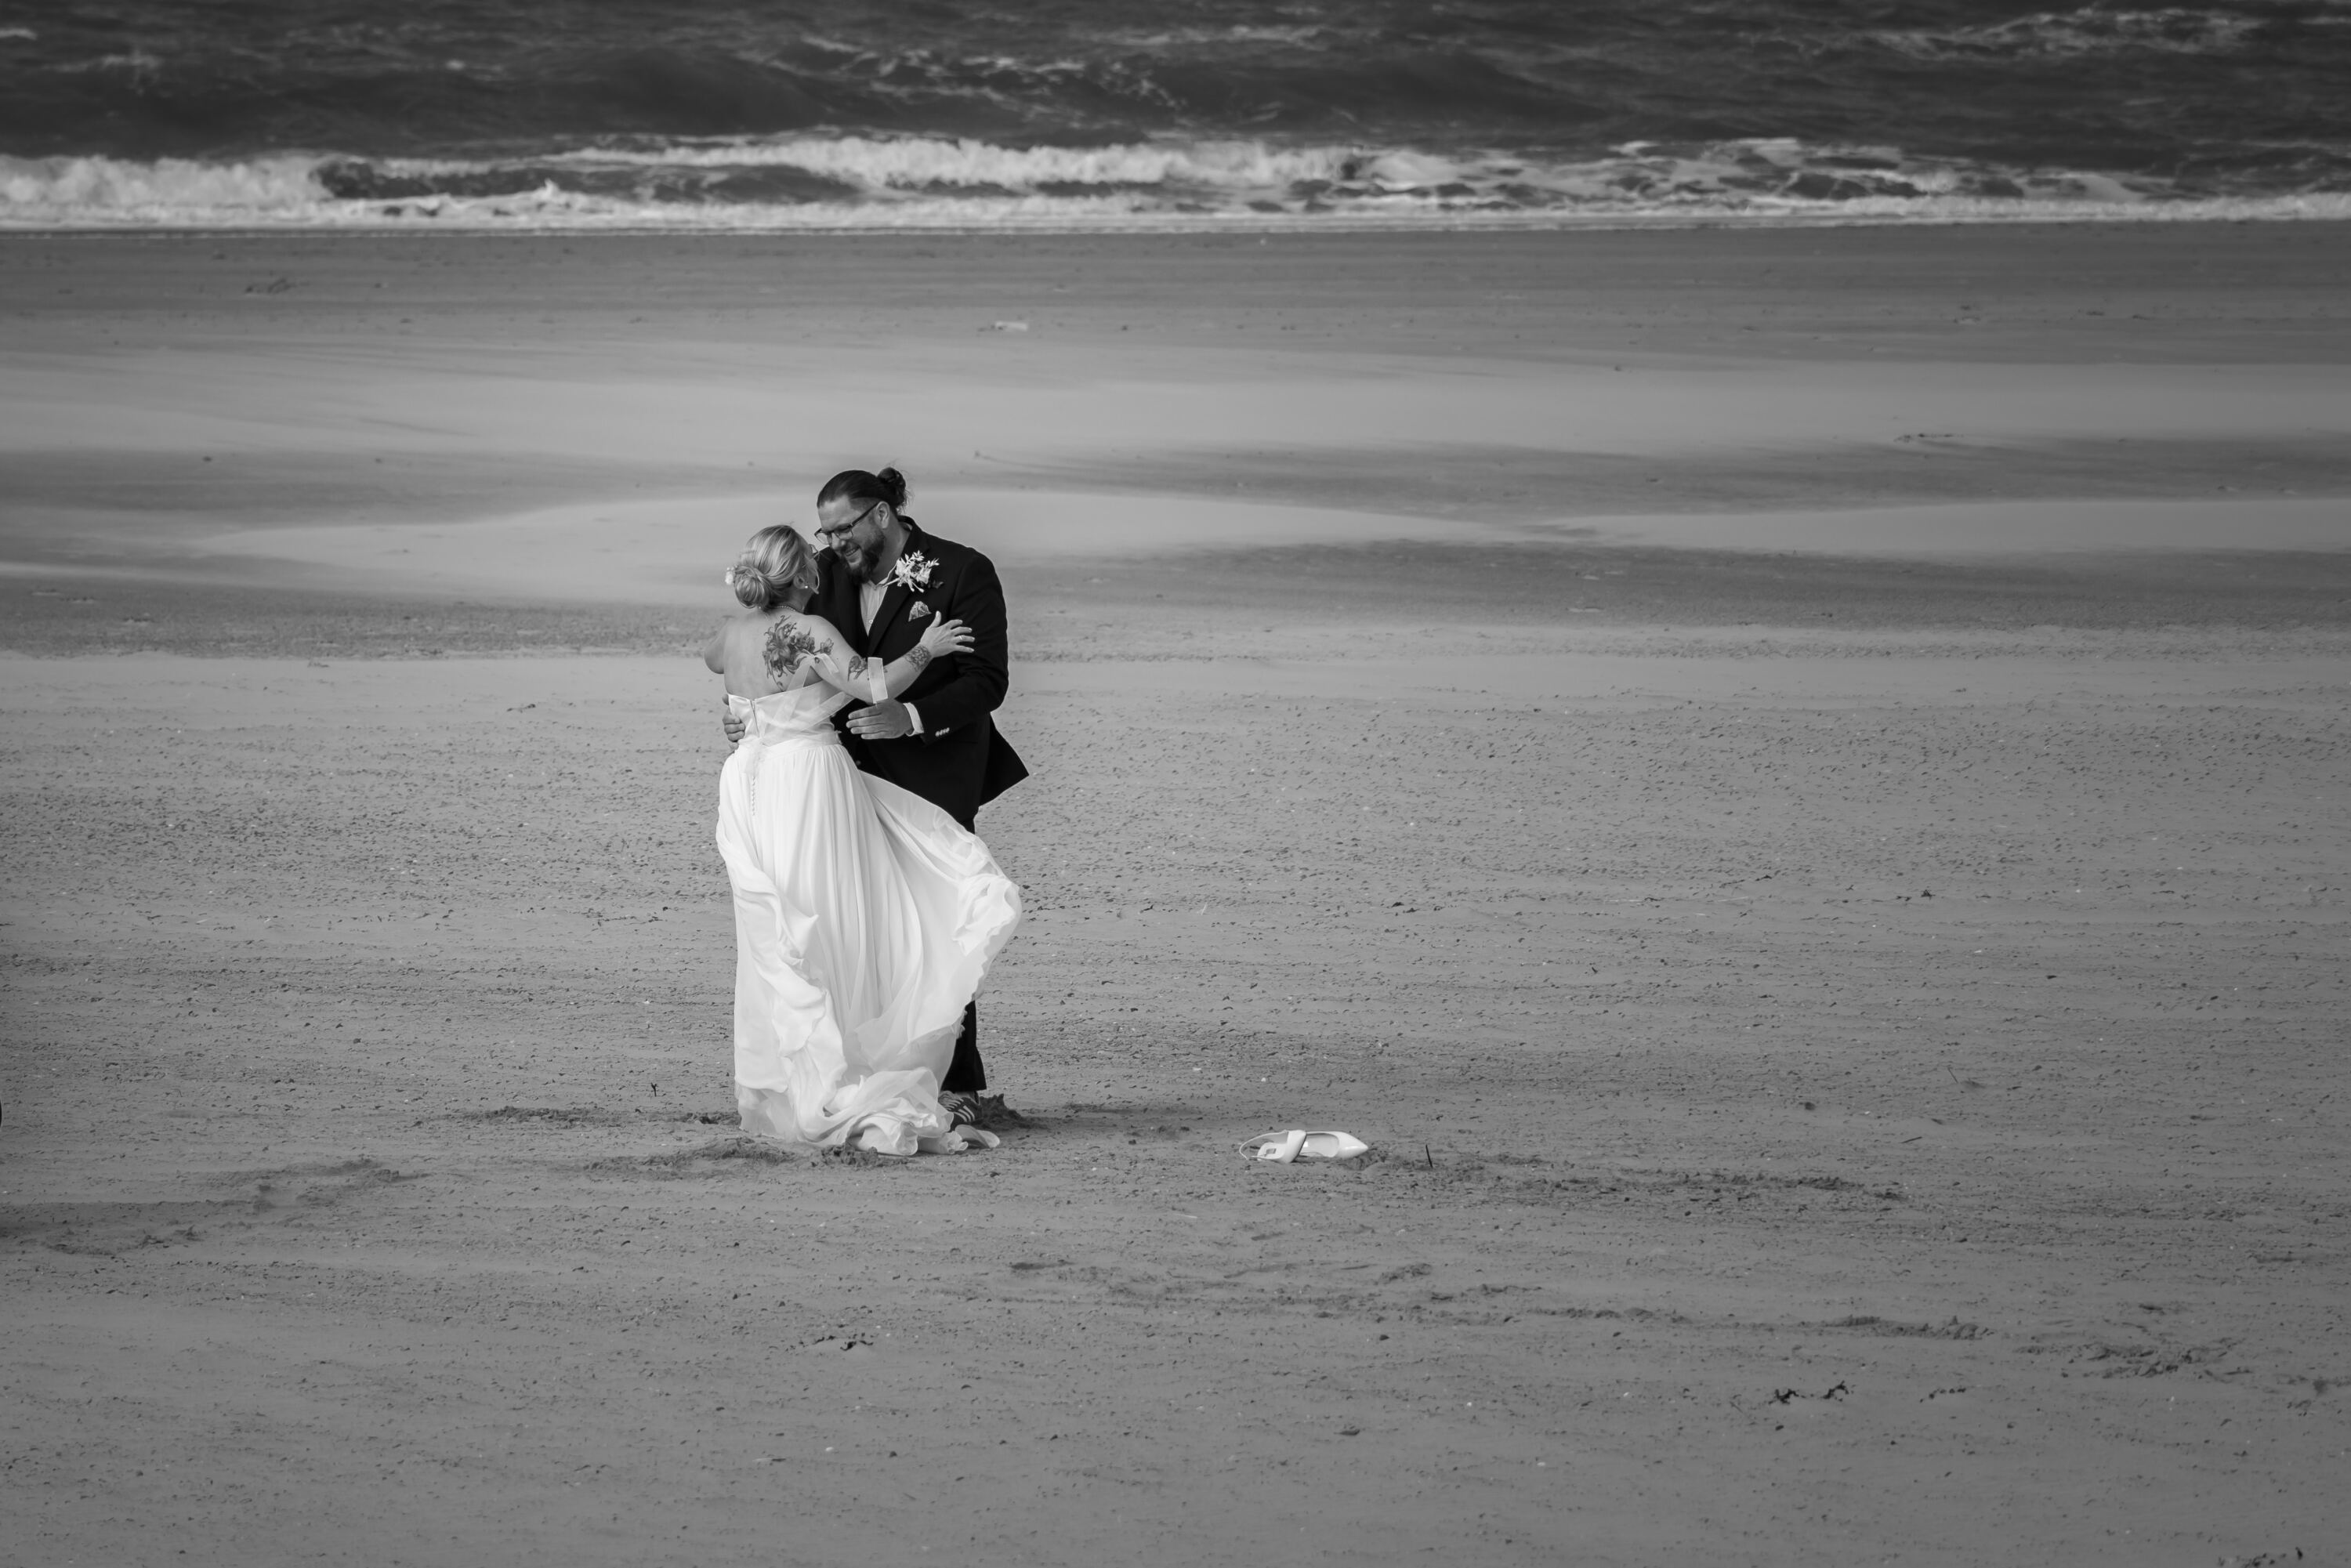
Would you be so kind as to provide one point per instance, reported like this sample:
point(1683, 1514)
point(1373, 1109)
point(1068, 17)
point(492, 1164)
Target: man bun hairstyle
point(774, 564)
point(856, 485)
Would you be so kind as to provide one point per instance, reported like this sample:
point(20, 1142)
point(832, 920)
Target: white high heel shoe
point(1298, 1143)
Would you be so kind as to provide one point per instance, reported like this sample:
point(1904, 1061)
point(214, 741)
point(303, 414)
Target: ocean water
point(734, 114)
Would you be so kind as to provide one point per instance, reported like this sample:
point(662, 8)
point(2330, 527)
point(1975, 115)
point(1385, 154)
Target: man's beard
point(860, 563)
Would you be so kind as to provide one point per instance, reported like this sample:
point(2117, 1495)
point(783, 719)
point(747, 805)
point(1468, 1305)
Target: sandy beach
point(1787, 781)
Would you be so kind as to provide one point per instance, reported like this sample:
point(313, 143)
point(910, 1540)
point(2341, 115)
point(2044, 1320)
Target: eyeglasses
point(824, 533)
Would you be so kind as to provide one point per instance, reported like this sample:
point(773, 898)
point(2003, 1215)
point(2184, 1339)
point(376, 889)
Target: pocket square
point(918, 611)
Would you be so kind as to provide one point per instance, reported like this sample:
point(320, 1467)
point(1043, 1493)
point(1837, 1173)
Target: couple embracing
point(860, 682)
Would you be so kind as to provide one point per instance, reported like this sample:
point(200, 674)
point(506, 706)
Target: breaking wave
point(855, 182)
point(744, 113)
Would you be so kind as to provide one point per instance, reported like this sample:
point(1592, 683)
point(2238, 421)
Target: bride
point(865, 916)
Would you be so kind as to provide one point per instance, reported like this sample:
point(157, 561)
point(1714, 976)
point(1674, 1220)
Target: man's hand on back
point(731, 725)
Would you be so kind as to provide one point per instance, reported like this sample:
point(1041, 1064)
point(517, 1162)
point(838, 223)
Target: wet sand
point(1850, 1037)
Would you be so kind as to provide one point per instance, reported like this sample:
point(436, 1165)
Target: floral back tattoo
point(790, 646)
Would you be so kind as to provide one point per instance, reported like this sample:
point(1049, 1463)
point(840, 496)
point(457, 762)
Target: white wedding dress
point(865, 918)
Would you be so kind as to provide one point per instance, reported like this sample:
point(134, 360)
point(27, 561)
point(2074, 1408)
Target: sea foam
point(832, 183)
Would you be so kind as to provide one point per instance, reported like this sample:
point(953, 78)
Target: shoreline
point(2038, 292)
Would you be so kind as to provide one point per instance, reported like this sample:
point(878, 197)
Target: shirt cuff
point(914, 718)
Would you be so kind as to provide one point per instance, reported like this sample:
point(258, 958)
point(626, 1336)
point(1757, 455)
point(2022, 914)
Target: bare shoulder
point(825, 633)
point(736, 639)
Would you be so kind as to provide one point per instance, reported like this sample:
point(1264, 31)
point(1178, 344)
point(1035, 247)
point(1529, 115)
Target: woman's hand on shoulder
point(943, 637)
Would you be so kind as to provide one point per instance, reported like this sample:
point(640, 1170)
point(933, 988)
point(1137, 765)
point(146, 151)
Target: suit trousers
point(966, 1074)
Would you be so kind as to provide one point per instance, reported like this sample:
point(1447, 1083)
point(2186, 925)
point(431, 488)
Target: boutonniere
point(912, 572)
point(918, 611)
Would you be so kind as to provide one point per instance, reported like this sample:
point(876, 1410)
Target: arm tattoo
point(789, 647)
point(857, 667)
point(918, 656)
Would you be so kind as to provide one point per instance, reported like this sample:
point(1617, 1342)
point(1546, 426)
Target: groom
point(881, 579)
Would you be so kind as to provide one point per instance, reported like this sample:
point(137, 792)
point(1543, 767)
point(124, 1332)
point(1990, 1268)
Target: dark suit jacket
point(959, 762)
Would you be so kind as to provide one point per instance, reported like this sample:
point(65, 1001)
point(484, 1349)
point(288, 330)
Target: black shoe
point(963, 1110)
point(995, 1114)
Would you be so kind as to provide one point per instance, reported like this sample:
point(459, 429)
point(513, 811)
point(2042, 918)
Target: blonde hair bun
point(775, 563)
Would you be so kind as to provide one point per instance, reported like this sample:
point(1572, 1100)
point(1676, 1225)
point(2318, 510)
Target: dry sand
point(1817, 858)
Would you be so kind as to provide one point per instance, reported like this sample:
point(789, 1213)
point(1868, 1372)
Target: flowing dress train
point(865, 918)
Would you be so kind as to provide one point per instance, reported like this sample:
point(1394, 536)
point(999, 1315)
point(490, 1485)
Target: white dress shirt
point(869, 604)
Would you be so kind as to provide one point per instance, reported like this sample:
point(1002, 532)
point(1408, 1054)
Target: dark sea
point(1127, 114)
